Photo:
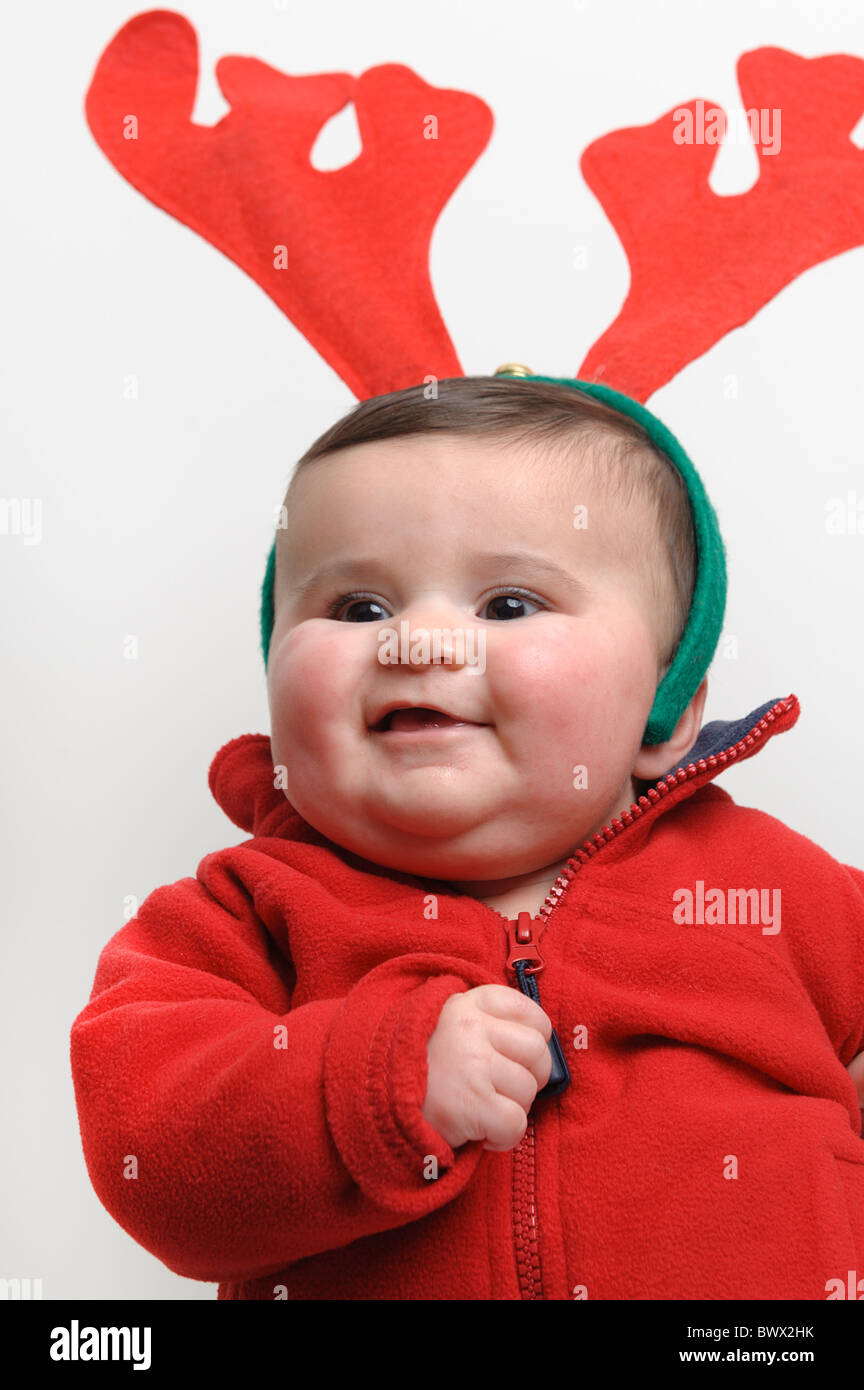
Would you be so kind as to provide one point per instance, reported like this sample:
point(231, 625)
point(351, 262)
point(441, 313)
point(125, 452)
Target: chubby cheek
point(313, 679)
point(573, 693)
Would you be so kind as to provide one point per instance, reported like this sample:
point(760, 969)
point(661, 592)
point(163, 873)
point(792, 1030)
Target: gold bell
point(513, 369)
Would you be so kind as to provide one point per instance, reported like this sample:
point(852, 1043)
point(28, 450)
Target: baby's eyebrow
point(336, 569)
point(492, 560)
point(525, 559)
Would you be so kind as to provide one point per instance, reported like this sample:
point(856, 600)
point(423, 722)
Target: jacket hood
point(242, 778)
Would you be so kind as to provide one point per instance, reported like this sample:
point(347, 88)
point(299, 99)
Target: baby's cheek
point(558, 669)
point(311, 680)
point(573, 694)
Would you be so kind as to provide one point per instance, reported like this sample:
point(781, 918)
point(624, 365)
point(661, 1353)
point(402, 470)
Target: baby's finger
point(503, 1001)
point(513, 1081)
point(504, 1121)
point(523, 1045)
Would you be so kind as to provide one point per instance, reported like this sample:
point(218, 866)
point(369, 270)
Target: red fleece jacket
point(256, 1042)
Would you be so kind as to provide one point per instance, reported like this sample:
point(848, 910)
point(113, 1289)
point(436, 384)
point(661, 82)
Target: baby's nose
point(429, 632)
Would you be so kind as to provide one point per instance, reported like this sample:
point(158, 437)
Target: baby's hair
point(540, 413)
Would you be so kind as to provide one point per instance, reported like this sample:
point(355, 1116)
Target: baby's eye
point(350, 602)
point(510, 603)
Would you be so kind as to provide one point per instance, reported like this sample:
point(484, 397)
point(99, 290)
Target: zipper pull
point(523, 947)
point(525, 960)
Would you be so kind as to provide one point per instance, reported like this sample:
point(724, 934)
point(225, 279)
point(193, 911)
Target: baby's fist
point(488, 1058)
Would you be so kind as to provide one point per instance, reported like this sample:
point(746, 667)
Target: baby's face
point(418, 526)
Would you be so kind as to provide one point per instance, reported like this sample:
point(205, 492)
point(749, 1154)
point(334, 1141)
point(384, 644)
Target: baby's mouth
point(409, 721)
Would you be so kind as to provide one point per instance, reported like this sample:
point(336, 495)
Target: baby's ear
point(656, 758)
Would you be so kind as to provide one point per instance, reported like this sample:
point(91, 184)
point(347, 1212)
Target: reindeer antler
point(353, 275)
point(702, 264)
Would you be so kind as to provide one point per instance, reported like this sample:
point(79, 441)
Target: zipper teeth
point(525, 1234)
point(525, 1152)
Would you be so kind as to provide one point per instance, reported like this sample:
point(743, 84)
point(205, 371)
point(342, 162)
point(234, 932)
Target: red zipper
point(523, 938)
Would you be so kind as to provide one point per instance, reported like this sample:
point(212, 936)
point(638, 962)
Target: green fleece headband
point(699, 640)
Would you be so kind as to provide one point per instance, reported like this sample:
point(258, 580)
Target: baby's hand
point(856, 1071)
point(488, 1058)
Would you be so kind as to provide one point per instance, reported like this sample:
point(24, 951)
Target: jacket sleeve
point(232, 1135)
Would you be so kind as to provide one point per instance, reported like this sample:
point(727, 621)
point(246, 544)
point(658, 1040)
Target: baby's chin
point(426, 804)
point(421, 834)
point(444, 847)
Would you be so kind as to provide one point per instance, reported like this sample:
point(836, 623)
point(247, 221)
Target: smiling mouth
point(419, 720)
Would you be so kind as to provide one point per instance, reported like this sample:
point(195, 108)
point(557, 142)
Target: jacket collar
point(242, 777)
point(722, 734)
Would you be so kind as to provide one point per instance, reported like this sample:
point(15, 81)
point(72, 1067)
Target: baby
point(311, 1071)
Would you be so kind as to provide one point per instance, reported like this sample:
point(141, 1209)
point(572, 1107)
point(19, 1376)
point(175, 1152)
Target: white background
point(158, 513)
